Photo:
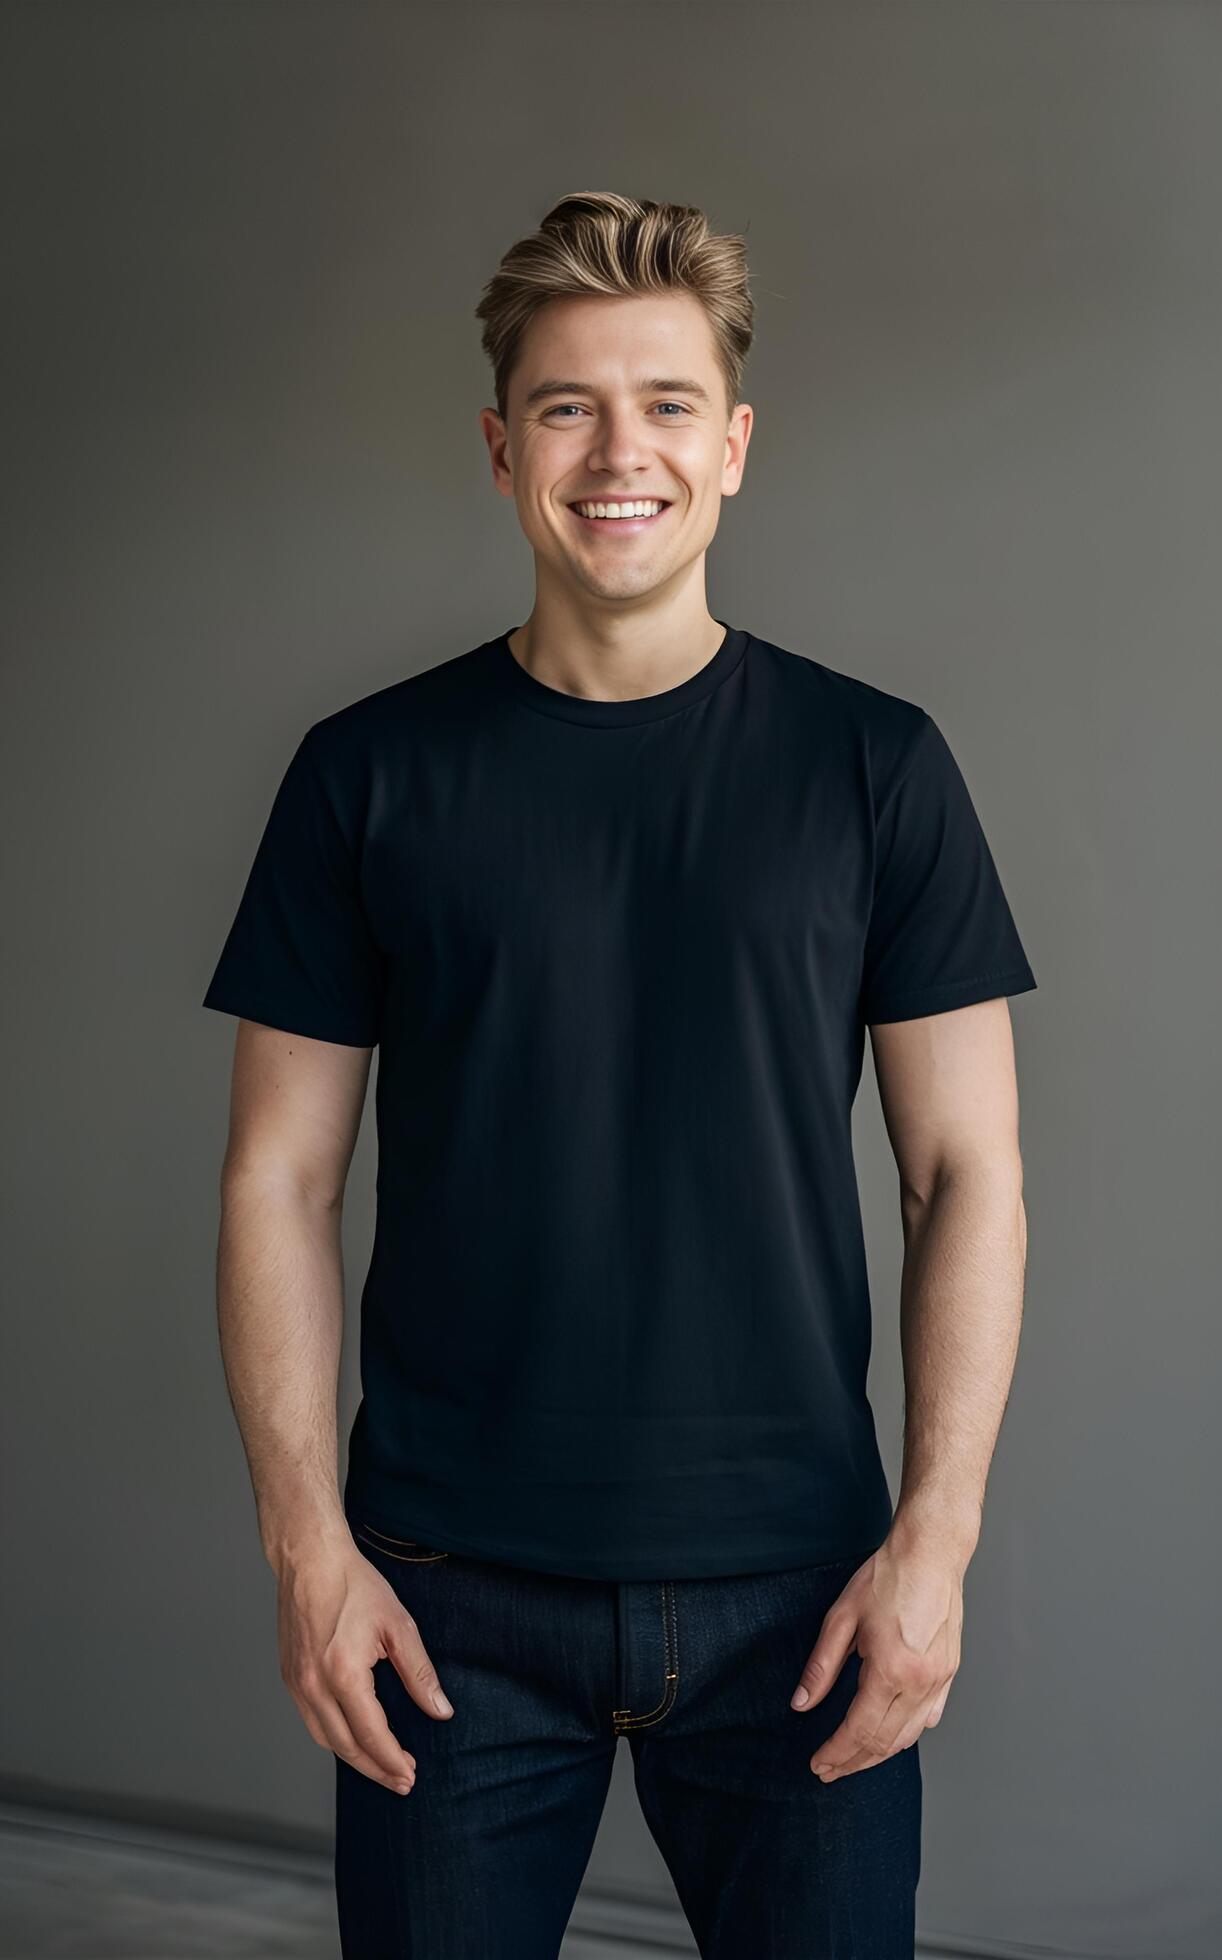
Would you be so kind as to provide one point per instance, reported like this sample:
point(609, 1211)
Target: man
point(617, 893)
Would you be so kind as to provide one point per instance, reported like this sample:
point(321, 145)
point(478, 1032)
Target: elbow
point(275, 1181)
point(995, 1172)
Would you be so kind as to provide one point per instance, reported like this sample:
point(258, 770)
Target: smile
point(629, 525)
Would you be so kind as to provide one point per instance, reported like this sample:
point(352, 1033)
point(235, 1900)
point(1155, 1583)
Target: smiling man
point(617, 894)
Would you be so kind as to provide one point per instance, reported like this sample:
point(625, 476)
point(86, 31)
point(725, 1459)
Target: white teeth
point(642, 508)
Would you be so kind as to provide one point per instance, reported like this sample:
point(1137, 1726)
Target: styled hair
point(599, 242)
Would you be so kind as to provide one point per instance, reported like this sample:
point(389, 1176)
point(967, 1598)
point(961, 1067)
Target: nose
point(618, 450)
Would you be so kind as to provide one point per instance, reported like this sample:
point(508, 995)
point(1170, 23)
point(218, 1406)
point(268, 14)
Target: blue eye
point(559, 407)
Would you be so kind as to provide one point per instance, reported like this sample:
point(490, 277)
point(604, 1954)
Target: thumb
point(827, 1657)
point(407, 1651)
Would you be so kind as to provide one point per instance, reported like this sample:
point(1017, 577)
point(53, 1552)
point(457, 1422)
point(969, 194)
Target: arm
point(295, 1110)
point(950, 1103)
point(294, 1115)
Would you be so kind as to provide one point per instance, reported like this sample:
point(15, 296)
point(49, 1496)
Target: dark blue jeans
point(484, 1858)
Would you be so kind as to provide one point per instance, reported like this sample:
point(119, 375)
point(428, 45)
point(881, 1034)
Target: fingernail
point(440, 1703)
point(799, 1698)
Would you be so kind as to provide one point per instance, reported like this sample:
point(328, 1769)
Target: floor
point(81, 1889)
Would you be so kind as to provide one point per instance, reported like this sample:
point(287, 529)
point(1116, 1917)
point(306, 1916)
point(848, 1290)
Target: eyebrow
point(548, 388)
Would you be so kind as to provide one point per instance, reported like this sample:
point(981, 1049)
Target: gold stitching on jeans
point(376, 1531)
point(366, 1532)
point(623, 1718)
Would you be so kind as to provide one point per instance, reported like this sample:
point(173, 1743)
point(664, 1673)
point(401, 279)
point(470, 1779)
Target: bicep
point(295, 1108)
point(948, 1091)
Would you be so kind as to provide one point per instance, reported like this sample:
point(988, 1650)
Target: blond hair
point(599, 242)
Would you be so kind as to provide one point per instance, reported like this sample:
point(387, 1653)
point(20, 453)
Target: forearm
point(960, 1314)
point(280, 1313)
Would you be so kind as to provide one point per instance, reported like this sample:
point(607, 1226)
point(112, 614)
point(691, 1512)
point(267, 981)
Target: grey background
point(246, 484)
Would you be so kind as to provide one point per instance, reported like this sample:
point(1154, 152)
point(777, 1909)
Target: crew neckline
point(618, 714)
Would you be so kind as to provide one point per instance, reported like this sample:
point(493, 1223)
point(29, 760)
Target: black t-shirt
point(618, 958)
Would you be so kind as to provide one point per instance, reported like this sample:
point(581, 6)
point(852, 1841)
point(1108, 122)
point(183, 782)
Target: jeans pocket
point(410, 1550)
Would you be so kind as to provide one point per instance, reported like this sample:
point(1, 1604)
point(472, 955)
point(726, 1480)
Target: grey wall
point(247, 485)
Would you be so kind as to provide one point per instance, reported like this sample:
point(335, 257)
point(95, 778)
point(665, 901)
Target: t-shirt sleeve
point(940, 934)
point(300, 954)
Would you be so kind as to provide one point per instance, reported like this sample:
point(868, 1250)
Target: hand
point(337, 1615)
point(903, 1610)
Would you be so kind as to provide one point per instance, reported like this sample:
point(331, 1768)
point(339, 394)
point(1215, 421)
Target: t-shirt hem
point(725, 1563)
point(952, 993)
point(288, 1020)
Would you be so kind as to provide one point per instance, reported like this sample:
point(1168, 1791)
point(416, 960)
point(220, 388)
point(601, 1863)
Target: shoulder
point(435, 691)
point(884, 730)
point(350, 762)
point(375, 725)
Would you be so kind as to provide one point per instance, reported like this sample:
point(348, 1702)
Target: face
point(648, 421)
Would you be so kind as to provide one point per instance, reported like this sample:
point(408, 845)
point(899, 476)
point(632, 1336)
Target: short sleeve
point(940, 934)
point(300, 954)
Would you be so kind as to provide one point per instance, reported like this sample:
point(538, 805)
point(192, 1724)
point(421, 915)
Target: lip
point(609, 526)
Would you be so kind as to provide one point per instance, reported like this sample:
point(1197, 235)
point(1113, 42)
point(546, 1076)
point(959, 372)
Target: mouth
point(630, 526)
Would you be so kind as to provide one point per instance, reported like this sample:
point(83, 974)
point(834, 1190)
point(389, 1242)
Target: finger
point(910, 1733)
point(900, 1729)
point(827, 1656)
point(864, 1720)
point(416, 1671)
point(865, 1716)
point(326, 1722)
point(366, 1720)
point(312, 1723)
point(401, 1785)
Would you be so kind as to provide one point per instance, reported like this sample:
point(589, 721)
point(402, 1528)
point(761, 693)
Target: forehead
point(617, 342)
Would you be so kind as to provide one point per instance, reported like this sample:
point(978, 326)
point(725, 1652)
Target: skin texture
point(295, 1110)
point(617, 618)
point(950, 1103)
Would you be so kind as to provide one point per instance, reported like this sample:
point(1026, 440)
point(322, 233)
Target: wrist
point(292, 1538)
point(929, 1524)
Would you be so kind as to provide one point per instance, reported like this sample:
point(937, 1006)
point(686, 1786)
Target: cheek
point(701, 472)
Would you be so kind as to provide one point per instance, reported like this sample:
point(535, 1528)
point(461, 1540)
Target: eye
point(558, 408)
